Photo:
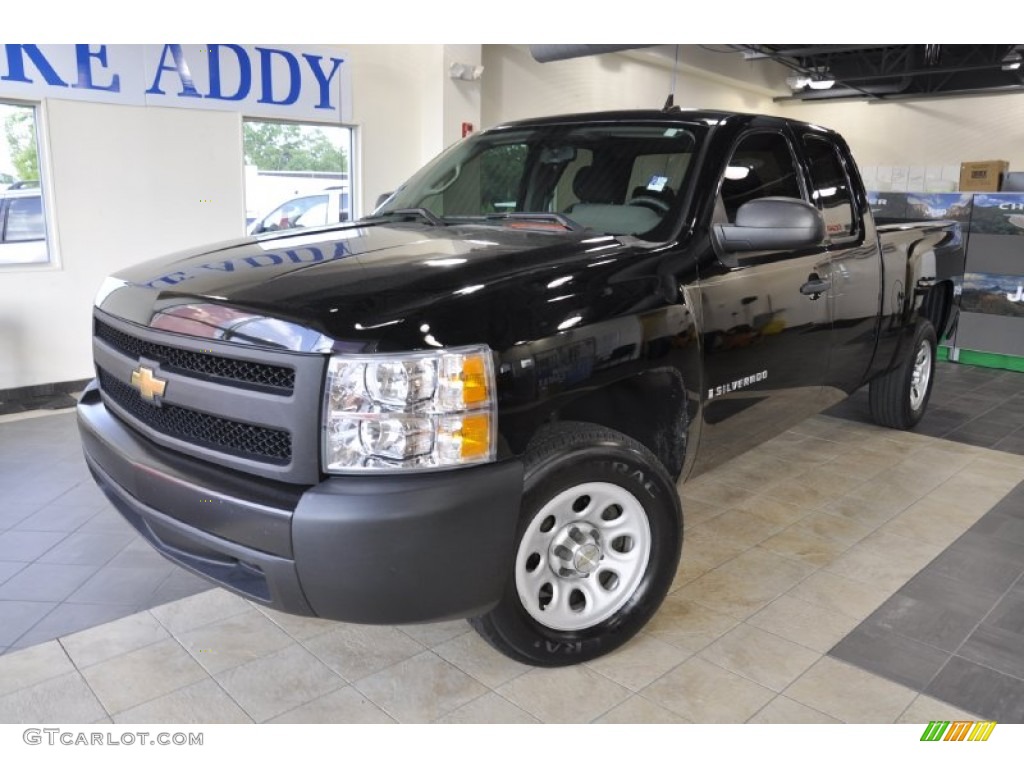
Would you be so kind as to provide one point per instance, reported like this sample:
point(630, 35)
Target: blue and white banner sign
point(307, 83)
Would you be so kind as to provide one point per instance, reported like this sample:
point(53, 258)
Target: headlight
point(409, 411)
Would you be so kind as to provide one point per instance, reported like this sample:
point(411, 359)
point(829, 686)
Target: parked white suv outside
point(328, 207)
point(22, 227)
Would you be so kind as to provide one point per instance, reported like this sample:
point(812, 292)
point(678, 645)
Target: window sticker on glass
point(671, 131)
point(657, 183)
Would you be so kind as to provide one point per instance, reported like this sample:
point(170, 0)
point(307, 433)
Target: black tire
point(562, 459)
point(896, 398)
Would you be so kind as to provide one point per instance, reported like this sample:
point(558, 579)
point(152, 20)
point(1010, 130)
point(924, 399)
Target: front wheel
point(899, 398)
point(597, 548)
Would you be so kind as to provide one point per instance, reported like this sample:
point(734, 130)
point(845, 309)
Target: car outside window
point(314, 216)
point(292, 214)
point(24, 220)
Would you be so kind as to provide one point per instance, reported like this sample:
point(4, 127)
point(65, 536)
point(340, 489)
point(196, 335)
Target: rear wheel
point(898, 399)
point(596, 551)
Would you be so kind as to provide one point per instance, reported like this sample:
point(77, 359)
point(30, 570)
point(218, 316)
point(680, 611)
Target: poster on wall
point(993, 294)
point(992, 289)
point(998, 214)
point(994, 279)
point(306, 83)
point(955, 206)
point(888, 205)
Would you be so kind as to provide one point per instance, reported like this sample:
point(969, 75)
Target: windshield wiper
point(539, 218)
point(410, 214)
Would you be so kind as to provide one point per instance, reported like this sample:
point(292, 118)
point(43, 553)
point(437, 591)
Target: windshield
point(613, 178)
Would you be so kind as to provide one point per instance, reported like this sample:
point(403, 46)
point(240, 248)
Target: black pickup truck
point(478, 401)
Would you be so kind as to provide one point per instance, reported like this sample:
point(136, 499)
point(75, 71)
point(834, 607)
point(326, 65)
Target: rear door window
point(830, 187)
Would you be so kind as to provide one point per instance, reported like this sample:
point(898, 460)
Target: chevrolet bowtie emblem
point(149, 386)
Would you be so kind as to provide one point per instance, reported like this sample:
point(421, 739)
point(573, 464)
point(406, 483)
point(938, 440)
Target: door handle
point(814, 286)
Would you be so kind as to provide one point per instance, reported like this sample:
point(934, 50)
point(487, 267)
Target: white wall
point(920, 132)
point(128, 183)
point(461, 97)
point(397, 106)
point(131, 183)
point(926, 132)
point(516, 86)
point(408, 109)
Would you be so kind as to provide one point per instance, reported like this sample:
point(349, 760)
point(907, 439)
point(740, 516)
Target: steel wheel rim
point(921, 375)
point(582, 556)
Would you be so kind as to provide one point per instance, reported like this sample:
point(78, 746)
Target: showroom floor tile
point(67, 559)
point(956, 629)
point(978, 406)
point(897, 596)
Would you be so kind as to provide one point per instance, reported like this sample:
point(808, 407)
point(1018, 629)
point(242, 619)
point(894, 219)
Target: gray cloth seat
point(601, 207)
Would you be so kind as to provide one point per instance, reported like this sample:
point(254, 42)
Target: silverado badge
point(149, 386)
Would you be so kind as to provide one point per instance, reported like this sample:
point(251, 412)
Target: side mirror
point(772, 224)
point(381, 199)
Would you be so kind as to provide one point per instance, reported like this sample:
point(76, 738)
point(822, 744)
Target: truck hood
point(368, 286)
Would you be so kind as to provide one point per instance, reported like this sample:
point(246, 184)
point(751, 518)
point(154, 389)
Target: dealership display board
point(988, 272)
point(992, 289)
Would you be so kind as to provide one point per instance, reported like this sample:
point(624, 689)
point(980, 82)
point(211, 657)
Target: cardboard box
point(982, 175)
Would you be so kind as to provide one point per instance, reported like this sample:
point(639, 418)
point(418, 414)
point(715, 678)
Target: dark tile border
point(956, 630)
point(42, 390)
point(68, 561)
point(40, 396)
point(975, 406)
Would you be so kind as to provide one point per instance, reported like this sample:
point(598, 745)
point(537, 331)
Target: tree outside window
point(286, 163)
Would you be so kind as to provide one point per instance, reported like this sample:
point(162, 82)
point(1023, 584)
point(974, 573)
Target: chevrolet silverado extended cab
point(477, 402)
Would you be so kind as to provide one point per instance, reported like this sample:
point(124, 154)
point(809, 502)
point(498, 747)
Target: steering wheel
point(656, 204)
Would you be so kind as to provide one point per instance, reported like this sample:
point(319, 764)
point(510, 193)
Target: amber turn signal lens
point(474, 381)
point(476, 436)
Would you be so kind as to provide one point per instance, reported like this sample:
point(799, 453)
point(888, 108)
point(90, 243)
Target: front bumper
point(376, 550)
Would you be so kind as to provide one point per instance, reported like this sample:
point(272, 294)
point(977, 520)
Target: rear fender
point(908, 282)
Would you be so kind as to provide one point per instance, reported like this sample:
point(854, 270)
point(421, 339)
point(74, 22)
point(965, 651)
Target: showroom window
point(22, 220)
point(296, 175)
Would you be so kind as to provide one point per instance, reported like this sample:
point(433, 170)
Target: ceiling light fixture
point(821, 81)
